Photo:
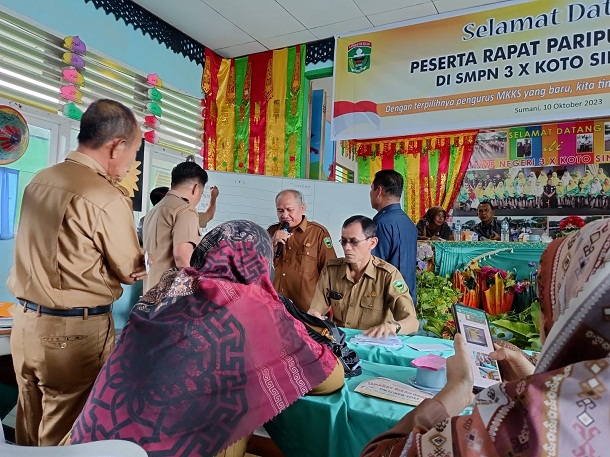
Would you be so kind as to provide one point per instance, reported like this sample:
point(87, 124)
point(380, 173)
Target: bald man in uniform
point(306, 246)
point(364, 291)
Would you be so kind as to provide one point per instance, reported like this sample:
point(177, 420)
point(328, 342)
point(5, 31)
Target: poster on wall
point(547, 170)
point(530, 62)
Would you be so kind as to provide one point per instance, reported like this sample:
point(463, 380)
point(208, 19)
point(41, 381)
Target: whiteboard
point(252, 197)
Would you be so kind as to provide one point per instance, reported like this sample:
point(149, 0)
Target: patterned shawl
point(208, 356)
point(563, 408)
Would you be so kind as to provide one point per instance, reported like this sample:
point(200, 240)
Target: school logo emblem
point(328, 242)
point(359, 56)
point(399, 286)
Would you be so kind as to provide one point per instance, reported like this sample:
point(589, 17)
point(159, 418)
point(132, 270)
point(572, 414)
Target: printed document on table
point(390, 342)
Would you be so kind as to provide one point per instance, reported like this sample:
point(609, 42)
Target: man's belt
point(74, 312)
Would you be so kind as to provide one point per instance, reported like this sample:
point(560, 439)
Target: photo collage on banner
point(545, 170)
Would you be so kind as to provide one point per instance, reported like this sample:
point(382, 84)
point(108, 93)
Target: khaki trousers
point(56, 360)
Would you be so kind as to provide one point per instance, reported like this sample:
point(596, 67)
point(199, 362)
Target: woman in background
point(208, 356)
point(562, 404)
point(433, 226)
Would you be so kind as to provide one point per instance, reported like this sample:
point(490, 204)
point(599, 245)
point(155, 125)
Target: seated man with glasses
point(364, 291)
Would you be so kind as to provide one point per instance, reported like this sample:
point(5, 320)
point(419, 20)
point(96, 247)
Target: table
point(340, 425)
point(455, 255)
point(401, 357)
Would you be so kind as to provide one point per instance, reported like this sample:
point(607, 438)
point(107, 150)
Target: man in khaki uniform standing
point(305, 248)
point(364, 291)
point(171, 229)
point(75, 245)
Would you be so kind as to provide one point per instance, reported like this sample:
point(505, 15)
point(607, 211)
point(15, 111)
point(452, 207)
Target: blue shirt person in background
point(395, 230)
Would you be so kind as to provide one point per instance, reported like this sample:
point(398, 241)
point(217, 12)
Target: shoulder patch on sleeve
point(328, 242)
point(399, 286)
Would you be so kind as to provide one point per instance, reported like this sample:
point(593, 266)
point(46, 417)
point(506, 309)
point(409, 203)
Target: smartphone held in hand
point(473, 325)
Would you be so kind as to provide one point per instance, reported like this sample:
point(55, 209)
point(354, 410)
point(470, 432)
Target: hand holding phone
point(473, 325)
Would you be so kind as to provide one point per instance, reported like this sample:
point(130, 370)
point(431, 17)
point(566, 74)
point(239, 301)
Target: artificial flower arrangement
point(425, 254)
point(495, 290)
point(510, 304)
point(570, 224)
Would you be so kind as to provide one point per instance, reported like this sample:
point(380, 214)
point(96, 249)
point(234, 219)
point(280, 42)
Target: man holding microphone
point(301, 248)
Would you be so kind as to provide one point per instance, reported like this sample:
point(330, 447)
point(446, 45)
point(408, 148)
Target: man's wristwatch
point(398, 326)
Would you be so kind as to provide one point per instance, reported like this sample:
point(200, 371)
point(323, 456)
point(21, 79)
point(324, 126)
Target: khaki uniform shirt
point(172, 221)
point(303, 257)
point(76, 237)
point(379, 296)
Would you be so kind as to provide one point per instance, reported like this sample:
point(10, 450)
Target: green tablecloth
point(454, 255)
point(341, 424)
point(401, 357)
point(338, 425)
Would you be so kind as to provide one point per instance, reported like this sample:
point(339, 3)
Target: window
point(32, 73)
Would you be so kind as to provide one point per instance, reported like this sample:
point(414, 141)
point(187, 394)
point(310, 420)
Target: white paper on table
point(429, 347)
point(389, 389)
point(390, 342)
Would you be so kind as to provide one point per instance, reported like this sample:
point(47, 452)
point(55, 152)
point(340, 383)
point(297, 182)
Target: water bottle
point(457, 230)
point(505, 235)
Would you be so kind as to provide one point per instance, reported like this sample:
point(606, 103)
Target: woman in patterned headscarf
point(562, 408)
point(208, 356)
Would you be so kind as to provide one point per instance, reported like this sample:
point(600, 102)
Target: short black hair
point(188, 171)
point(105, 120)
point(390, 181)
point(157, 194)
point(487, 202)
point(369, 226)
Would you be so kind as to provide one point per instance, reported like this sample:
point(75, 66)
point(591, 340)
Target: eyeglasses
point(353, 242)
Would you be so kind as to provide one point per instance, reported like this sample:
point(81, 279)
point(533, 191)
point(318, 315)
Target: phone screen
point(472, 324)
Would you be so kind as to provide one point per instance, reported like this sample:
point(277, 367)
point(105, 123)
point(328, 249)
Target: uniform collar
point(390, 207)
point(302, 226)
point(84, 159)
point(176, 194)
point(369, 270)
point(90, 162)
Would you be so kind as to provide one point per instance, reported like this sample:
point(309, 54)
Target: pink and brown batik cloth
point(561, 410)
point(208, 356)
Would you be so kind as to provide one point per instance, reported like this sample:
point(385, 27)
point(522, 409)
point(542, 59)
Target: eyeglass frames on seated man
point(353, 242)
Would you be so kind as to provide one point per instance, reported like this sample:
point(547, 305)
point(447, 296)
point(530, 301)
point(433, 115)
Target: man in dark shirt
point(489, 228)
point(395, 230)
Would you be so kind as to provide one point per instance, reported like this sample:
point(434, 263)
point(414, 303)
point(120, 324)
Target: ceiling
point(234, 28)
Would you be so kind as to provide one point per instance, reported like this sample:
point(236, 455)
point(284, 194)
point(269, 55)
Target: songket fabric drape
point(433, 166)
point(253, 112)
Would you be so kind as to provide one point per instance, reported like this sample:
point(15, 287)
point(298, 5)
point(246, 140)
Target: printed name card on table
point(395, 391)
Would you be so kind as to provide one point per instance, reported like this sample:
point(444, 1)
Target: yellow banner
point(538, 61)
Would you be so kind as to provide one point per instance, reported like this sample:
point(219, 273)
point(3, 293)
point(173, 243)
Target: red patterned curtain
point(254, 112)
point(433, 166)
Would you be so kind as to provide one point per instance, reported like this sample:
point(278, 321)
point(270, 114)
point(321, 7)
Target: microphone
point(280, 246)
